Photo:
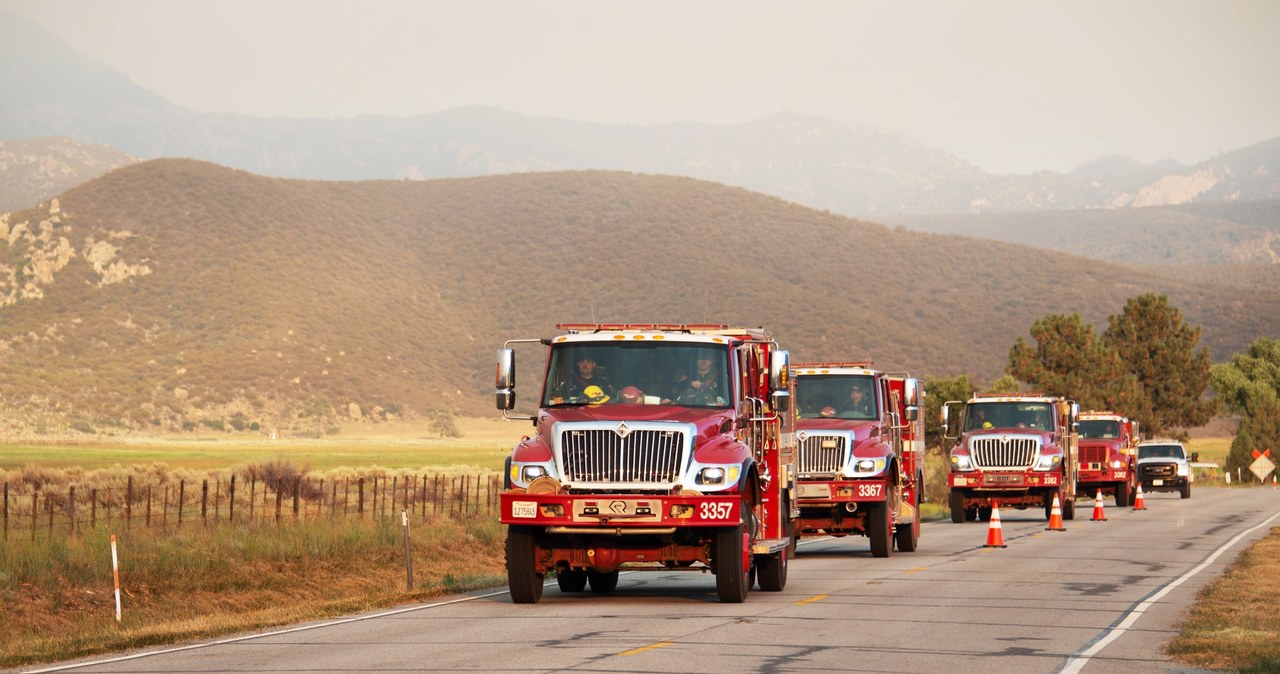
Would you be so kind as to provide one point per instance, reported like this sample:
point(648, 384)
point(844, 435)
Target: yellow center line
point(918, 569)
point(660, 644)
point(812, 599)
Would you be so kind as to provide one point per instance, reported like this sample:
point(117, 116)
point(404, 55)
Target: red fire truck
point(658, 447)
point(861, 467)
point(1014, 451)
point(1108, 456)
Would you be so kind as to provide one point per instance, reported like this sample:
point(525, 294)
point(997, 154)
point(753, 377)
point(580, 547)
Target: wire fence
point(31, 512)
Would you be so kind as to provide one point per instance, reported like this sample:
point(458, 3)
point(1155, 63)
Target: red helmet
point(827, 411)
point(631, 394)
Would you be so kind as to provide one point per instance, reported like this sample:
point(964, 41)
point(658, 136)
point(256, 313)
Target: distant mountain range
point(51, 90)
point(174, 294)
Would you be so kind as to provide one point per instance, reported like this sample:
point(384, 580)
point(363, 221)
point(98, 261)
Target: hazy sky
point(1011, 86)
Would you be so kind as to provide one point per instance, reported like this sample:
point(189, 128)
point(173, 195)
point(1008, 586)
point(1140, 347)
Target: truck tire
point(571, 580)
point(772, 572)
point(1122, 495)
point(880, 530)
point(523, 579)
point(955, 501)
point(602, 582)
point(1185, 489)
point(731, 565)
point(907, 535)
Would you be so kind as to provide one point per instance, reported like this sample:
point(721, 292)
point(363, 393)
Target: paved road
point(1099, 597)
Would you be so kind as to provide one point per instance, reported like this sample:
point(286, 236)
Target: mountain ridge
point(173, 293)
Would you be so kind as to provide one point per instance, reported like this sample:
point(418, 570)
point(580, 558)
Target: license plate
point(1157, 483)
point(1004, 479)
point(815, 491)
point(524, 509)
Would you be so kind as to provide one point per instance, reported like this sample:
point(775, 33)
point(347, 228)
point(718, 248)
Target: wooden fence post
point(279, 489)
point(164, 512)
point(182, 494)
point(71, 511)
point(231, 501)
point(148, 506)
point(204, 501)
point(253, 489)
point(297, 487)
point(128, 505)
point(35, 510)
point(48, 504)
point(360, 499)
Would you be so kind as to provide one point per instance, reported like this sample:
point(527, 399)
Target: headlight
point(531, 473)
point(1117, 463)
point(961, 463)
point(716, 476)
point(1048, 461)
point(1183, 469)
point(712, 475)
point(867, 467)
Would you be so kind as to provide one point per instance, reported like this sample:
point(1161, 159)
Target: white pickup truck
point(1164, 466)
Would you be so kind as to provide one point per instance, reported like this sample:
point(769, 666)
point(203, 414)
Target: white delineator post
point(115, 573)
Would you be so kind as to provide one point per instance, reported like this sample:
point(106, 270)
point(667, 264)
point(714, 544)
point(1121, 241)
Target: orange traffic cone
point(995, 536)
point(1098, 514)
point(1055, 516)
point(1139, 503)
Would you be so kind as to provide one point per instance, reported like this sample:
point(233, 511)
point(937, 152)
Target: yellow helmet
point(595, 395)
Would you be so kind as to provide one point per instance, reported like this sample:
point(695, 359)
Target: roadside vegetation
point(1234, 624)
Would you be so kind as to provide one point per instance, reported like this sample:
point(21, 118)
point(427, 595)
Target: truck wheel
point(1185, 490)
point(571, 580)
point(956, 502)
point(523, 579)
point(908, 534)
point(880, 530)
point(772, 572)
point(1122, 495)
point(731, 565)
point(602, 582)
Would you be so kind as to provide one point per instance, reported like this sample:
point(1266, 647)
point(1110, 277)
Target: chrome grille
point(815, 458)
point(1004, 452)
point(638, 456)
point(1159, 470)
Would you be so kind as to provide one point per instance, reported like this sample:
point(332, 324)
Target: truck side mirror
point(913, 412)
point(780, 372)
point(505, 380)
point(781, 401)
point(946, 418)
point(1195, 457)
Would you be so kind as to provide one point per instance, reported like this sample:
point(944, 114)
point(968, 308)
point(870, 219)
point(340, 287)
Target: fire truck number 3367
point(715, 511)
point(872, 490)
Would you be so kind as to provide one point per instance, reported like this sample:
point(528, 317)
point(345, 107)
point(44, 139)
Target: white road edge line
point(260, 635)
point(1078, 661)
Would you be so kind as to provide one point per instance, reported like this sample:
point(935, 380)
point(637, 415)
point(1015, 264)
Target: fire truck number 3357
point(715, 511)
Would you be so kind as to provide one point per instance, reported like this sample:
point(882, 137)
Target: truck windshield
point(1160, 452)
point(1100, 429)
point(1009, 414)
point(652, 373)
point(836, 396)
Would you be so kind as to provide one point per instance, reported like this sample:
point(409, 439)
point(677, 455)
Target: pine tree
point(1070, 360)
point(1156, 346)
point(1241, 455)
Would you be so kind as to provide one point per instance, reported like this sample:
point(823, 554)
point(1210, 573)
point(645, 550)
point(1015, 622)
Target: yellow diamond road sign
point(1262, 467)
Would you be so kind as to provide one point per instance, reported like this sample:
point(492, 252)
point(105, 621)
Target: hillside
point(35, 170)
point(1236, 232)
point(172, 293)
